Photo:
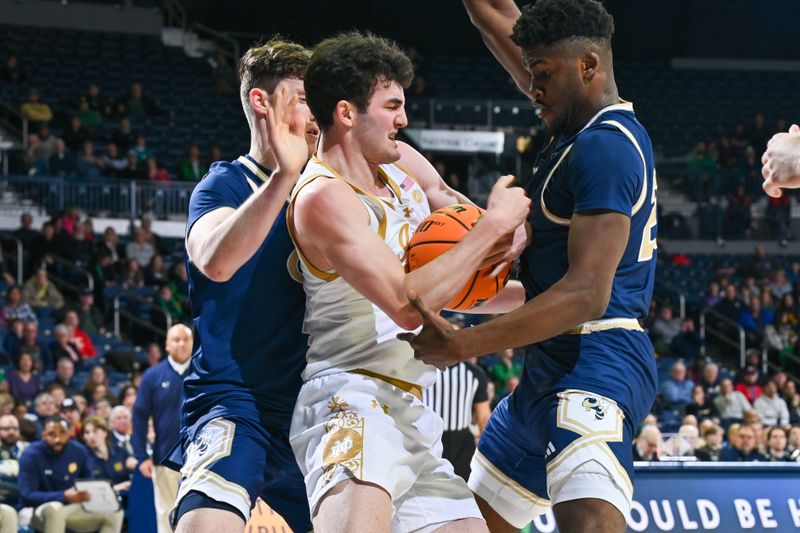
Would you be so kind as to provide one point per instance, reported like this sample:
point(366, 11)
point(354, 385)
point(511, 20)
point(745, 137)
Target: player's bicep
point(204, 225)
point(335, 223)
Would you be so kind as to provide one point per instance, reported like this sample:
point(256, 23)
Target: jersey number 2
point(649, 244)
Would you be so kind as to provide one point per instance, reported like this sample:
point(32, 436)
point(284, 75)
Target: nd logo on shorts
point(590, 414)
point(344, 440)
point(343, 444)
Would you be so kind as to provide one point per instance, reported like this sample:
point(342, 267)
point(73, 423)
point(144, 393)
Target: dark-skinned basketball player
point(563, 438)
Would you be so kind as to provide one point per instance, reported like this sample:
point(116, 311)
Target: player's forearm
point(552, 313)
point(495, 20)
point(510, 298)
point(481, 11)
point(233, 242)
point(439, 281)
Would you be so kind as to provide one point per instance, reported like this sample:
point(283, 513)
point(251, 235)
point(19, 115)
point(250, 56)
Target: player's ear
point(343, 113)
point(258, 101)
point(589, 65)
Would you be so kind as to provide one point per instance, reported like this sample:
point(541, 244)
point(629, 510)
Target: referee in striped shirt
point(460, 396)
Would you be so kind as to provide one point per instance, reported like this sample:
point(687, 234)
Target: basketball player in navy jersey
point(247, 311)
point(563, 437)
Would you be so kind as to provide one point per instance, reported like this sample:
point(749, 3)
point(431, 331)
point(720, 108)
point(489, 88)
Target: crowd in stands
point(62, 391)
point(61, 386)
point(723, 175)
point(713, 413)
point(98, 136)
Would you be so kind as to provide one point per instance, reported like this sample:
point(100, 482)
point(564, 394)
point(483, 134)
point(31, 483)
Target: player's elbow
point(589, 301)
point(596, 301)
point(406, 317)
point(214, 269)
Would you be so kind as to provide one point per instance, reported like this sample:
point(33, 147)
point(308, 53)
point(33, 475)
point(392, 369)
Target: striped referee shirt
point(455, 392)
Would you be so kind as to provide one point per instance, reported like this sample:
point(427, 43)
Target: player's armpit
point(495, 20)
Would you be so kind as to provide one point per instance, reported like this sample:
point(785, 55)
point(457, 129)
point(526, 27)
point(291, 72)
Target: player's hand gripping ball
point(440, 232)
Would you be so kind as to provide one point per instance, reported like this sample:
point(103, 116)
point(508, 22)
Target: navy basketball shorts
point(233, 463)
point(568, 445)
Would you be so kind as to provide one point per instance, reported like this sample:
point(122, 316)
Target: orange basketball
point(437, 234)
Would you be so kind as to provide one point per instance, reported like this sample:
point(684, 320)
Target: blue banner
point(722, 497)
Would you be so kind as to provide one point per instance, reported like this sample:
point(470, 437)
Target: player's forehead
point(294, 85)
point(537, 56)
point(385, 92)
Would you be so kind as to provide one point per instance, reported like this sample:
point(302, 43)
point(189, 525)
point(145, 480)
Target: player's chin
point(548, 117)
point(312, 147)
point(391, 155)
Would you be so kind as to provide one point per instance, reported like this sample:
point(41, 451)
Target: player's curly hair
point(347, 67)
point(549, 21)
point(265, 65)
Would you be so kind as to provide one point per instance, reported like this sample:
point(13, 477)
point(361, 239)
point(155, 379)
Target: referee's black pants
point(459, 447)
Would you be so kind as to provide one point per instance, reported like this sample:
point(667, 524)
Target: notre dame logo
point(593, 404)
point(403, 239)
point(344, 444)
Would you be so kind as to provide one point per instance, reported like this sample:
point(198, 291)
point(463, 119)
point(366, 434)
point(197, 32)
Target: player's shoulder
point(222, 173)
point(605, 133)
point(606, 142)
point(323, 194)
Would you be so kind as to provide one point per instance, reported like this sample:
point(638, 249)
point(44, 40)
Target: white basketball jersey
point(346, 330)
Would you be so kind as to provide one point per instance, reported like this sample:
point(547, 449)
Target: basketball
point(437, 234)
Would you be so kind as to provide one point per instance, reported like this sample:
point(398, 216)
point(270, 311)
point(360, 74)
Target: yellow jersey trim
point(549, 215)
point(382, 222)
point(504, 480)
point(625, 131)
point(253, 168)
point(407, 173)
point(593, 326)
point(319, 273)
point(410, 388)
point(387, 179)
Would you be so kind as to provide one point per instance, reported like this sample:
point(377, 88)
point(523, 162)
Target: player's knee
point(470, 525)
point(589, 515)
point(209, 521)
point(353, 505)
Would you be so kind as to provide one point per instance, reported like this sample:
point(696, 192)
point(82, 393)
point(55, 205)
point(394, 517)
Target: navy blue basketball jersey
point(250, 350)
point(606, 166)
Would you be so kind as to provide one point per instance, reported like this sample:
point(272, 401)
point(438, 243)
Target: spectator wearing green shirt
point(504, 369)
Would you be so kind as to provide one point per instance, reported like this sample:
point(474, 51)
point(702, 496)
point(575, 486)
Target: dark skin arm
point(596, 245)
point(495, 20)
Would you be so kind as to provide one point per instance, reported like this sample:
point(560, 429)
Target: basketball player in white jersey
point(368, 447)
